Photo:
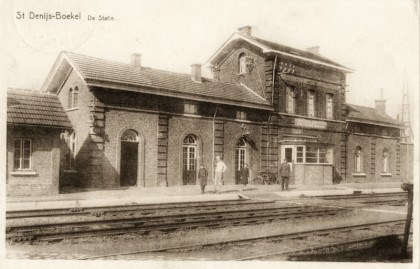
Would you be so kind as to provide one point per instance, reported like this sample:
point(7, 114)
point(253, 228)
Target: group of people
point(285, 170)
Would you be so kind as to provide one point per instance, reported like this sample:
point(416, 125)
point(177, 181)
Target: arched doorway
point(189, 160)
point(129, 158)
point(240, 158)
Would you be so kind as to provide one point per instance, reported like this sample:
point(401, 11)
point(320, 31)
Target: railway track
point(123, 209)
point(362, 235)
point(374, 199)
point(59, 227)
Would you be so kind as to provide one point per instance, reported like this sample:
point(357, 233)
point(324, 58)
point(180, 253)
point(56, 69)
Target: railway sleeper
point(98, 229)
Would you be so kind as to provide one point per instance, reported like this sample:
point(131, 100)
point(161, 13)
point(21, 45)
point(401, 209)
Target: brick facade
point(320, 149)
point(43, 176)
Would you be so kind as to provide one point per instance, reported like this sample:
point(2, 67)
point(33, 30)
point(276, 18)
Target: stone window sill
point(72, 109)
point(191, 115)
point(359, 174)
point(386, 175)
point(23, 173)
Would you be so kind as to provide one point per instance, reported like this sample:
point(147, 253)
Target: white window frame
point(240, 154)
point(290, 100)
point(241, 115)
point(329, 106)
point(311, 103)
point(242, 64)
point(190, 108)
point(21, 154)
point(329, 154)
point(385, 161)
point(190, 148)
point(73, 98)
point(358, 160)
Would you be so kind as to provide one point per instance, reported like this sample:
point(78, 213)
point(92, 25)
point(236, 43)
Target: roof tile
point(105, 71)
point(35, 108)
point(369, 115)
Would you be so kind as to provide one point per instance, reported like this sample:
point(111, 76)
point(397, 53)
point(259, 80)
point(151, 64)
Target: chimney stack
point(245, 31)
point(196, 72)
point(136, 59)
point(380, 105)
point(314, 50)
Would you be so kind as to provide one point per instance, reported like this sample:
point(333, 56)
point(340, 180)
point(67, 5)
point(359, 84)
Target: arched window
point(240, 154)
point(290, 100)
point(189, 153)
point(358, 160)
point(385, 155)
point(242, 63)
point(70, 99)
point(75, 96)
point(311, 103)
point(130, 136)
point(329, 106)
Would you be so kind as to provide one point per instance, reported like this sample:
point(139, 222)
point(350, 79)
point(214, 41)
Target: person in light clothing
point(218, 175)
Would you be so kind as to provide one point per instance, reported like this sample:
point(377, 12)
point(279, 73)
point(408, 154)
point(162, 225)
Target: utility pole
point(405, 118)
point(407, 132)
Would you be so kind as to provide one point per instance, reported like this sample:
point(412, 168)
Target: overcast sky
point(379, 39)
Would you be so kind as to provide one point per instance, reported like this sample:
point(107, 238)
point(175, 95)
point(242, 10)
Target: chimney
point(136, 59)
point(314, 50)
point(196, 72)
point(380, 105)
point(245, 31)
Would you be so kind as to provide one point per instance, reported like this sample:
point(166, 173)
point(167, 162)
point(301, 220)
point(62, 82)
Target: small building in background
point(375, 150)
point(35, 121)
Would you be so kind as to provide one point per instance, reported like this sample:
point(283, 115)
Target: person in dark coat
point(244, 175)
point(202, 176)
point(285, 174)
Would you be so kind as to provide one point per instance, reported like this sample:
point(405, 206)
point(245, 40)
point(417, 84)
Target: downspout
point(212, 159)
point(268, 143)
point(274, 77)
point(269, 117)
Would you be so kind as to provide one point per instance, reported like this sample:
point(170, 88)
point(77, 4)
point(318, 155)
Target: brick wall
point(81, 122)
point(145, 124)
point(255, 79)
point(178, 128)
point(373, 160)
point(45, 162)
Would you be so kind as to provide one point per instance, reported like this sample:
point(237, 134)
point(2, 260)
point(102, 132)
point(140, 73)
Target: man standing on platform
point(218, 175)
point(285, 174)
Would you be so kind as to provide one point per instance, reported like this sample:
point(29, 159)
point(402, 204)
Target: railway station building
point(137, 126)
point(35, 122)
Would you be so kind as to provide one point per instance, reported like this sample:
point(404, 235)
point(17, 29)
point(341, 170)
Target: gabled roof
point(272, 47)
point(370, 116)
point(124, 76)
point(35, 108)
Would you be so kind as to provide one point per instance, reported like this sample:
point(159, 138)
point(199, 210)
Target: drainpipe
point(268, 143)
point(274, 77)
point(212, 159)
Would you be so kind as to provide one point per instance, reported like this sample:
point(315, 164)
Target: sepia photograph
point(236, 134)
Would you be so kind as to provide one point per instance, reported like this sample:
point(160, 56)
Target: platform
point(184, 194)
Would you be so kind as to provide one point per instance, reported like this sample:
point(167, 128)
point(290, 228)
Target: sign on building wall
point(310, 123)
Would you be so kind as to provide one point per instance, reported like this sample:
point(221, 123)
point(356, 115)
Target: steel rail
point(319, 247)
point(281, 236)
point(120, 208)
point(165, 227)
point(357, 196)
point(157, 217)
